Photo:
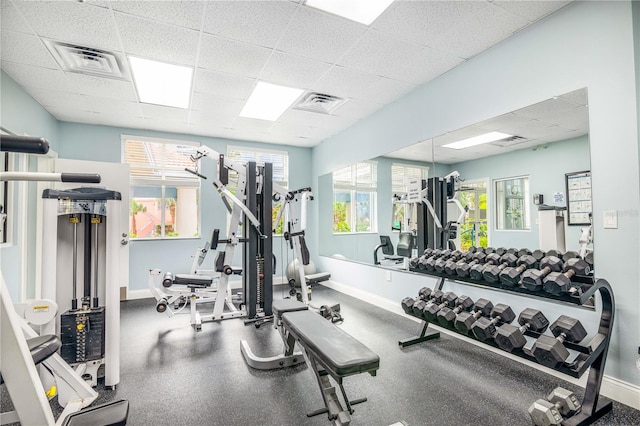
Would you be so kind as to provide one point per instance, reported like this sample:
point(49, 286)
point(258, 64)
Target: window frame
point(163, 183)
point(278, 231)
point(501, 208)
point(354, 188)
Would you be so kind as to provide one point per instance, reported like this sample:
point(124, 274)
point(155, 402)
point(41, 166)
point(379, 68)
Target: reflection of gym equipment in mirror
point(405, 248)
point(89, 336)
point(550, 139)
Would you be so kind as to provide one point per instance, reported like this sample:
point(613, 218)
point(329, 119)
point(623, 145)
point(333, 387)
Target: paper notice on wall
point(413, 190)
point(558, 197)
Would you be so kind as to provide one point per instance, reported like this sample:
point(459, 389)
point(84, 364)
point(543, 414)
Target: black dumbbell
point(510, 338)
point(570, 255)
point(420, 304)
point(408, 302)
point(589, 259)
point(438, 265)
point(446, 315)
point(428, 255)
point(511, 276)
point(430, 312)
point(550, 351)
point(477, 258)
point(465, 320)
point(554, 252)
point(533, 279)
point(492, 259)
point(451, 265)
point(523, 252)
point(538, 254)
point(558, 283)
point(485, 328)
point(560, 402)
point(492, 273)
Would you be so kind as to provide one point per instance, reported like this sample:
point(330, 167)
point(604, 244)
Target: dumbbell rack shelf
point(591, 356)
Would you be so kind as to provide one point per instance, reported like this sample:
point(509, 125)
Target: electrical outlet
point(389, 276)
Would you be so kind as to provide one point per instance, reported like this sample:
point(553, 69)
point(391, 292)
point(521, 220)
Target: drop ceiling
point(233, 44)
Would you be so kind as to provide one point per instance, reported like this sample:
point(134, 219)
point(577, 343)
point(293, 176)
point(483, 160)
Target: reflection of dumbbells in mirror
point(492, 272)
point(446, 315)
point(533, 279)
point(550, 351)
point(430, 312)
point(477, 258)
point(438, 264)
point(558, 283)
point(451, 266)
point(485, 328)
point(465, 320)
point(509, 337)
point(511, 276)
point(560, 402)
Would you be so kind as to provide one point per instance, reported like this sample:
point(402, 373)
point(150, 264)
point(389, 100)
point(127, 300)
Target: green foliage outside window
point(340, 223)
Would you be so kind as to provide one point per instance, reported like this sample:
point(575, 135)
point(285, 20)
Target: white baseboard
point(612, 388)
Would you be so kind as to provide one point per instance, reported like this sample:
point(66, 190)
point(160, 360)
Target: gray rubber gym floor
point(172, 375)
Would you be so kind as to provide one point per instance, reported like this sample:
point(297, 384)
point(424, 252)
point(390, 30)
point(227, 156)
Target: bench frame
point(322, 372)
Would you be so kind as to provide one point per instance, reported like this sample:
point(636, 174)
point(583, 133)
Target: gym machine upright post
point(22, 348)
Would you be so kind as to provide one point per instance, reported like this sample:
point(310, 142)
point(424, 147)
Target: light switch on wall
point(610, 219)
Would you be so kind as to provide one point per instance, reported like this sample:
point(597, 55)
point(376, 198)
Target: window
point(512, 204)
point(280, 161)
point(354, 198)
point(473, 231)
point(404, 217)
point(164, 198)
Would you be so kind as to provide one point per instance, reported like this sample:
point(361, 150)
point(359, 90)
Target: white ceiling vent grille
point(320, 102)
point(510, 141)
point(87, 60)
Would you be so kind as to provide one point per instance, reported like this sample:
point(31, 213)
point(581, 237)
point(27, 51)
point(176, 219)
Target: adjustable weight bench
point(329, 352)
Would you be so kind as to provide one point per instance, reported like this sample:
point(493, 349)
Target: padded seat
point(340, 353)
point(282, 306)
point(317, 277)
point(109, 414)
point(41, 348)
point(189, 279)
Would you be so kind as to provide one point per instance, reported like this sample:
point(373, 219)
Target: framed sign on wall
point(579, 197)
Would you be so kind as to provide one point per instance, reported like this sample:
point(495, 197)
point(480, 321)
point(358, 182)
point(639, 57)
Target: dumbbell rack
point(592, 355)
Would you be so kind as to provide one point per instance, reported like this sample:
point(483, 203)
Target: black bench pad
point(281, 306)
point(336, 350)
point(187, 279)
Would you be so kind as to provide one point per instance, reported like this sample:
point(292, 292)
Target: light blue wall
point(103, 143)
point(546, 169)
point(22, 115)
point(585, 44)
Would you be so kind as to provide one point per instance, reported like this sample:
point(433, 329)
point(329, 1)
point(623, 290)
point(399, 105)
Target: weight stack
point(82, 335)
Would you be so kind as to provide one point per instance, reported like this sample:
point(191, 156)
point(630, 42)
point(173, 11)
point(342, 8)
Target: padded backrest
point(405, 244)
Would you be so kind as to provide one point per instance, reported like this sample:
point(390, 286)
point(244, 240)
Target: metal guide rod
point(96, 261)
point(74, 300)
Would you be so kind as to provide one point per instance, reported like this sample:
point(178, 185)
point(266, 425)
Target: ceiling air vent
point(87, 60)
point(320, 102)
point(512, 140)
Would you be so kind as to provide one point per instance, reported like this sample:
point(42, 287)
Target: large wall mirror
point(509, 187)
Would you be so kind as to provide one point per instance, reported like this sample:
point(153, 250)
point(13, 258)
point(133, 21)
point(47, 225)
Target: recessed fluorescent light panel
point(268, 101)
point(363, 11)
point(161, 83)
point(477, 140)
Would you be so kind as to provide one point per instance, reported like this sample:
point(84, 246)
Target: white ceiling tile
point(182, 13)
point(252, 125)
point(577, 119)
point(46, 78)
point(211, 119)
point(320, 36)
point(232, 57)
point(295, 116)
point(25, 49)
point(547, 110)
point(255, 22)
point(422, 21)
point(345, 82)
point(158, 113)
point(102, 87)
point(294, 71)
point(169, 126)
point(114, 106)
point(531, 10)
point(223, 85)
point(55, 99)
point(12, 20)
point(295, 130)
point(216, 104)
point(71, 21)
point(482, 30)
point(154, 40)
point(578, 97)
point(72, 115)
point(386, 90)
point(377, 53)
point(425, 65)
